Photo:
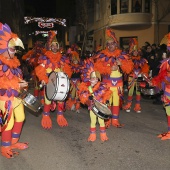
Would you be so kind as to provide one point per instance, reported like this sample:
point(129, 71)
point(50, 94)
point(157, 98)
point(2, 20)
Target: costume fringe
point(41, 73)
point(127, 66)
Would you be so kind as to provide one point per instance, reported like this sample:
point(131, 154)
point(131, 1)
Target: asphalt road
point(133, 147)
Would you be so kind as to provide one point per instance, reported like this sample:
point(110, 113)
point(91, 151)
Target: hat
point(133, 45)
point(8, 39)
point(74, 56)
point(51, 39)
point(89, 71)
point(110, 35)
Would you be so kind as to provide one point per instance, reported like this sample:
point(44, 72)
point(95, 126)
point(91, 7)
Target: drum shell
point(32, 104)
point(146, 90)
point(101, 110)
point(58, 86)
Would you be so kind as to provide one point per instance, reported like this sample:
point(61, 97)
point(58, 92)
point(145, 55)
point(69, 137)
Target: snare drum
point(32, 104)
point(101, 110)
point(58, 86)
point(147, 90)
point(150, 91)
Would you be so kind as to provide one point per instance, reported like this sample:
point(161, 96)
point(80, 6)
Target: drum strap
point(91, 90)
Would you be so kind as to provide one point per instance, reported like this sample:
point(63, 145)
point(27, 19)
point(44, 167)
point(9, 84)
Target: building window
point(124, 42)
point(98, 9)
point(113, 7)
point(147, 6)
point(124, 6)
point(137, 5)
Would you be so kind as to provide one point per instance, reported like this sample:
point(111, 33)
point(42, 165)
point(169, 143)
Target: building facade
point(147, 20)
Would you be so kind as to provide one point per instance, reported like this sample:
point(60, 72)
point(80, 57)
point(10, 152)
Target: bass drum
point(58, 86)
point(101, 110)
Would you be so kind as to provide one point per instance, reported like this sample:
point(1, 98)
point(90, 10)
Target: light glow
point(60, 21)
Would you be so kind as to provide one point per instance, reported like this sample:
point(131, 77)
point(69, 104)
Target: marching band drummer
point(31, 57)
point(73, 102)
point(140, 66)
point(91, 88)
point(162, 81)
point(52, 60)
point(111, 63)
point(12, 82)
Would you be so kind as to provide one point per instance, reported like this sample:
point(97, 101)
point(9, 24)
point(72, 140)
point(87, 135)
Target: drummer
point(52, 60)
point(112, 63)
point(90, 88)
point(73, 102)
point(11, 78)
point(140, 66)
point(162, 81)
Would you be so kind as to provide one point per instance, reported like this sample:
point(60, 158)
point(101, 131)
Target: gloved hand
point(107, 102)
point(90, 97)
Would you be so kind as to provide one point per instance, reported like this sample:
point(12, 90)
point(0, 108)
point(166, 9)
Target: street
point(133, 147)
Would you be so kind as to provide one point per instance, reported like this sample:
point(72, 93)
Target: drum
point(58, 86)
point(101, 110)
point(149, 91)
point(32, 104)
point(145, 89)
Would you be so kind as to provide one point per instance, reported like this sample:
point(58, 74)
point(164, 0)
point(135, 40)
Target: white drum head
point(51, 86)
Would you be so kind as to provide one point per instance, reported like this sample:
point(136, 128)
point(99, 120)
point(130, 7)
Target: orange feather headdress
point(133, 45)
point(89, 70)
point(51, 39)
point(8, 39)
point(111, 35)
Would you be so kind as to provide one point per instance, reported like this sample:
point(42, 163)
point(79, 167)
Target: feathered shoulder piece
point(165, 65)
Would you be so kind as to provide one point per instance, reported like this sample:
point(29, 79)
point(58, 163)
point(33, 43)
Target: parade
point(83, 100)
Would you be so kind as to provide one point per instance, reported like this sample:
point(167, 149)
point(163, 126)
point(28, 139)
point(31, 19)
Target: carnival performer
point(140, 67)
point(52, 60)
point(73, 102)
point(162, 81)
point(12, 113)
point(89, 89)
point(111, 63)
point(31, 57)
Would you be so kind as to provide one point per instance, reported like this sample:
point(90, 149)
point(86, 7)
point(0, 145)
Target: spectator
point(150, 56)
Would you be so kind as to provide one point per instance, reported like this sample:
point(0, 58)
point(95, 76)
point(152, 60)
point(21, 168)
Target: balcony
point(130, 19)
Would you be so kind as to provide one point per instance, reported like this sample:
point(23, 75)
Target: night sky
point(51, 8)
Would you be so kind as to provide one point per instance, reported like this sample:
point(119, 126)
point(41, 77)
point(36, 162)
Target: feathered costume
point(31, 57)
point(100, 92)
point(73, 102)
point(12, 110)
point(47, 63)
point(162, 81)
point(104, 62)
point(140, 66)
